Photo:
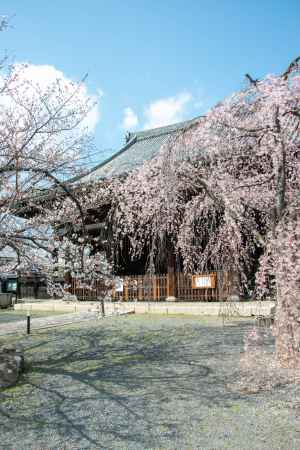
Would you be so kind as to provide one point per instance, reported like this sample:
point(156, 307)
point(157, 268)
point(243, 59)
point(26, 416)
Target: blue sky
point(153, 62)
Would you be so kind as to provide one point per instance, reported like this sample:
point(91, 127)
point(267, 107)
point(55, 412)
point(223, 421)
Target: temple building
point(168, 281)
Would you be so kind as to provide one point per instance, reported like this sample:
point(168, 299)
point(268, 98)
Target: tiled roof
point(142, 146)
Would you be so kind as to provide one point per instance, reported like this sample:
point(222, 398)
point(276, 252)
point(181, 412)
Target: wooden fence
point(186, 292)
point(157, 288)
point(143, 288)
point(226, 283)
point(85, 290)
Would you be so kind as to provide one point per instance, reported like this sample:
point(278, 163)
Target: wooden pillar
point(113, 292)
point(125, 287)
point(140, 287)
point(171, 276)
point(154, 287)
point(171, 288)
point(171, 280)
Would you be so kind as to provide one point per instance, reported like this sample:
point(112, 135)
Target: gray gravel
point(9, 315)
point(38, 322)
point(143, 382)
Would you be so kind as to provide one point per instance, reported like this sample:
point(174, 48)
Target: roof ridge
point(139, 137)
point(107, 160)
point(143, 138)
point(166, 128)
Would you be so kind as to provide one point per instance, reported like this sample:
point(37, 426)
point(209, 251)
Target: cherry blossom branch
point(294, 65)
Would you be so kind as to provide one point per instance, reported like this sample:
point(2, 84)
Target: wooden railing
point(143, 288)
point(87, 291)
point(157, 288)
point(223, 288)
point(186, 292)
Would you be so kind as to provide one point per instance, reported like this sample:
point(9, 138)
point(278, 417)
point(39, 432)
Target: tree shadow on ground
point(97, 386)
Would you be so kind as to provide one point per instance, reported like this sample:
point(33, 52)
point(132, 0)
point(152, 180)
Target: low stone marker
point(11, 366)
point(5, 300)
point(266, 320)
point(171, 298)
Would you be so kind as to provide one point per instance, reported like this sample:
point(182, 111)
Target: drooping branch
point(251, 80)
point(294, 64)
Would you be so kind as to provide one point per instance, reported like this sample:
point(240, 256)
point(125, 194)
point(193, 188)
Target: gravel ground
point(143, 382)
point(44, 320)
point(9, 315)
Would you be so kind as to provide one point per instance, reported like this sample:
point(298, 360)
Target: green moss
point(128, 358)
point(236, 407)
point(20, 388)
point(83, 366)
point(13, 389)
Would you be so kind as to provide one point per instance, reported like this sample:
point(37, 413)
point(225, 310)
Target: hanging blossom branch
point(239, 169)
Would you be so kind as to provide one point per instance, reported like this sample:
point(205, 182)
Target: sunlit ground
point(143, 382)
point(9, 315)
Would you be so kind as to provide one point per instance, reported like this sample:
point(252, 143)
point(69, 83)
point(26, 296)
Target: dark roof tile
point(142, 146)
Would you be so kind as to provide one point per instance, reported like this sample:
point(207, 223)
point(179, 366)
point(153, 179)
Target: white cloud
point(42, 77)
point(130, 119)
point(166, 111)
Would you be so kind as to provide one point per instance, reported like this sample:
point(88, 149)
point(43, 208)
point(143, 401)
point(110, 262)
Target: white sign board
point(203, 281)
point(119, 285)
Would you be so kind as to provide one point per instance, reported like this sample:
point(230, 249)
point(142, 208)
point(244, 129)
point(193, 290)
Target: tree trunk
point(102, 306)
point(287, 330)
point(287, 320)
